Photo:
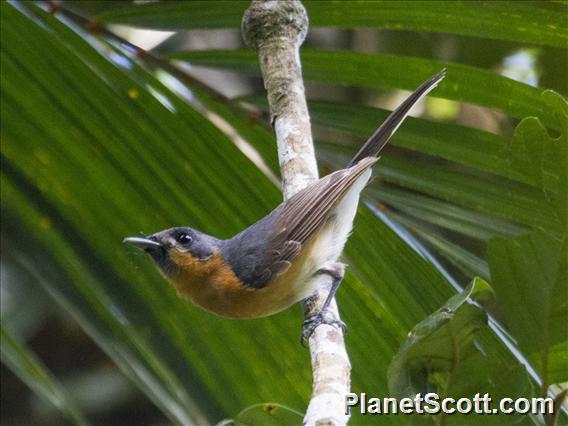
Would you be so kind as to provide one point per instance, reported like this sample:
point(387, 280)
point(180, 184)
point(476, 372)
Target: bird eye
point(184, 238)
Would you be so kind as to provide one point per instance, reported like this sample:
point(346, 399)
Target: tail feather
point(380, 138)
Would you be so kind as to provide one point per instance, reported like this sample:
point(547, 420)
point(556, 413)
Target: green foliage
point(31, 371)
point(438, 345)
point(443, 354)
point(376, 71)
point(533, 267)
point(529, 22)
point(91, 153)
point(265, 414)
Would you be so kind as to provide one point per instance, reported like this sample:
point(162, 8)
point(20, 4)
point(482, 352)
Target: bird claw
point(315, 321)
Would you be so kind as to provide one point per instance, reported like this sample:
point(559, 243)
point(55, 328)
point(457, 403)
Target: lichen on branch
point(276, 29)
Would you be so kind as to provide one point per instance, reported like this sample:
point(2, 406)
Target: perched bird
point(272, 264)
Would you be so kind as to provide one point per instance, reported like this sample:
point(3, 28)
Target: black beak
point(145, 244)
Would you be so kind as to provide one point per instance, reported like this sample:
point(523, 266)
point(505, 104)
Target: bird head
point(168, 247)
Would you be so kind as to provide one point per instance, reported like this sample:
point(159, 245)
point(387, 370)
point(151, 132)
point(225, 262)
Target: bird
point(273, 264)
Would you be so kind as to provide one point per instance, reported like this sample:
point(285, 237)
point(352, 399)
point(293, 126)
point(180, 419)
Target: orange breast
point(212, 285)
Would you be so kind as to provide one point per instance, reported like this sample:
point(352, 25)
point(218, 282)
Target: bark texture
point(276, 29)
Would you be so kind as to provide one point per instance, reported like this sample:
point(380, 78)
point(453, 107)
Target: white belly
point(332, 238)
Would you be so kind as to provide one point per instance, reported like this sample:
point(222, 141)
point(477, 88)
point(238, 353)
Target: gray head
point(181, 239)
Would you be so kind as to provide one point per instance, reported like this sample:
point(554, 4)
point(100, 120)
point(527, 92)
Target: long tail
point(379, 139)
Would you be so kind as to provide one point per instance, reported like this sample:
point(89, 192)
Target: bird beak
point(142, 243)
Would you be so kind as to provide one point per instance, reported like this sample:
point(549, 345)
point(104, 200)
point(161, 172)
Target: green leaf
point(179, 15)
point(468, 262)
point(381, 71)
point(438, 344)
point(542, 158)
point(96, 132)
point(506, 199)
point(268, 414)
point(557, 362)
point(526, 21)
point(447, 215)
point(33, 373)
point(529, 272)
point(446, 354)
point(523, 204)
point(545, 156)
point(529, 277)
point(464, 145)
point(520, 203)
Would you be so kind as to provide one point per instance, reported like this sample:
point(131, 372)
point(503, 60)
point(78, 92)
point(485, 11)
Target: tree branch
point(276, 29)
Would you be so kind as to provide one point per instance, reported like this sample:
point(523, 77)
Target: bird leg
point(336, 271)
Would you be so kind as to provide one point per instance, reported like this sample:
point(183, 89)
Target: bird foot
point(315, 321)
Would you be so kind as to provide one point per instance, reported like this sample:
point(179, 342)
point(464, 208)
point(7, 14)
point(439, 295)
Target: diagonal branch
point(276, 29)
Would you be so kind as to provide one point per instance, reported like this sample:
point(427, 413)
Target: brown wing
point(300, 218)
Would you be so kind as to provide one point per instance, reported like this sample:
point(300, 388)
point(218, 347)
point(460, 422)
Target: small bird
point(273, 263)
